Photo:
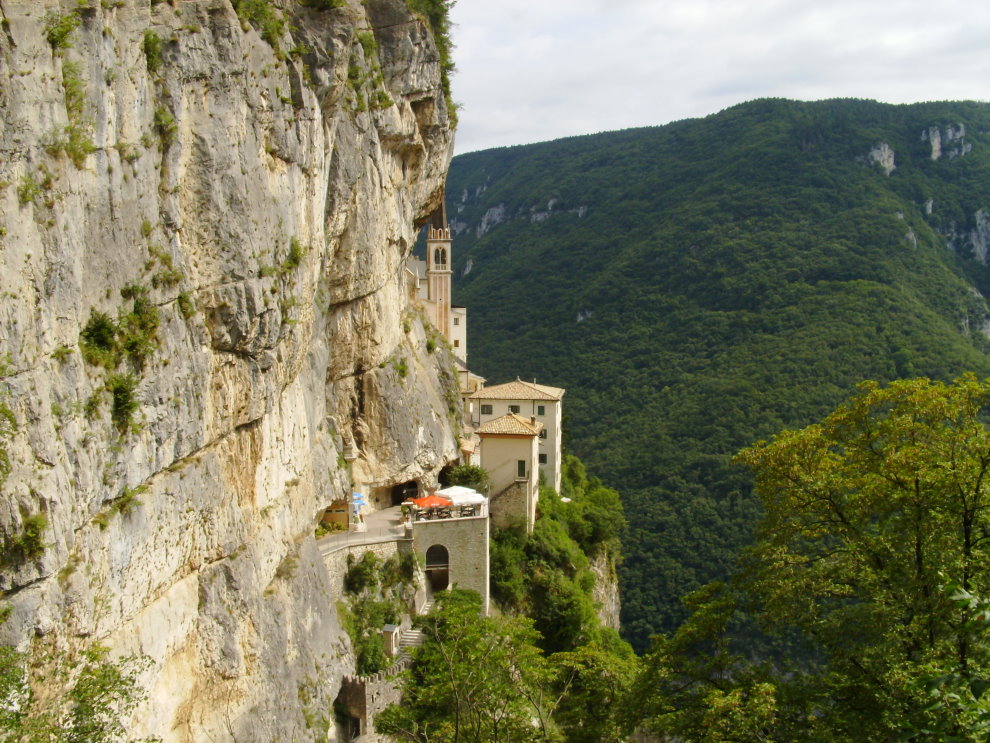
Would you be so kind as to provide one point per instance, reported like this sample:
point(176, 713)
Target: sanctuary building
point(428, 284)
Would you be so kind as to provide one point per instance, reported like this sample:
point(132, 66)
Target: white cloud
point(541, 69)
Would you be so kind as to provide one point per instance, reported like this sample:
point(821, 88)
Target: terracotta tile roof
point(519, 390)
point(512, 425)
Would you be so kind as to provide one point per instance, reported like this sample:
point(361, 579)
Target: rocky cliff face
point(605, 592)
point(215, 209)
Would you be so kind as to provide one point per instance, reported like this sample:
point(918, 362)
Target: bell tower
point(438, 271)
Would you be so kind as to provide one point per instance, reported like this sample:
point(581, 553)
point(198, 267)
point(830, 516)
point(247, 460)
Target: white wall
point(458, 332)
point(500, 456)
point(552, 423)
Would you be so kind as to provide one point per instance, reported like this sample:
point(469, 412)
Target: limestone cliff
point(605, 591)
point(236, 196)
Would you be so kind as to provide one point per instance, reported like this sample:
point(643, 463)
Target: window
point(457, 343)
point(514, 409)
point(543, 459)
point(521, 468)
point(541, 410)
point(543, 433)
point(457, 321)
point(486, 409)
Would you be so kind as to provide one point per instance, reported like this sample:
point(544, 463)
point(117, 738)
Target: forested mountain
point(702, 285)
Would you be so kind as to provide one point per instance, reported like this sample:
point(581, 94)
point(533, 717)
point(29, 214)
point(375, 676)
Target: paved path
point(383, 526)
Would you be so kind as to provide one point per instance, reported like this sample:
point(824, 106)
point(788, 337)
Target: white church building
point(429, 285)
point(537, 408)
point(538, 403)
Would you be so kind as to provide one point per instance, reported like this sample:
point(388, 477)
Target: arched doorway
point(438, 567)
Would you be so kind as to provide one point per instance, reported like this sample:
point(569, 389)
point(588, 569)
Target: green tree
point(373, 599)
point(865, 513)
point(594, 515)
point(474, 679)
point(695, 685)
point(958, 696)
point(470, 476)
point(592, 681)
point(57, 699)
point(545, 574)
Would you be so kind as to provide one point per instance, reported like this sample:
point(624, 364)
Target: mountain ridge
point(699, 285)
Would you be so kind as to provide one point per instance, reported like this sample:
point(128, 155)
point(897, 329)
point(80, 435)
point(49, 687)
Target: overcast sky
point(533, 70)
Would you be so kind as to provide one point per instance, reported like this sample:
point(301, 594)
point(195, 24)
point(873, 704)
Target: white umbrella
point(461, 496)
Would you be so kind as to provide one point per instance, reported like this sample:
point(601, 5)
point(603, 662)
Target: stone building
point(363, 697)
point(428, 284)
point(510, 454)
point(455, 551)
point(529, 400)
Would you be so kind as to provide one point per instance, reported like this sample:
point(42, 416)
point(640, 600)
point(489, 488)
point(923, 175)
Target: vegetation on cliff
point(536, 668)
point(704, 284)
point(374, 597)
point(545, 574)
point(57, 696)
point(865, 581)
point(437, 14)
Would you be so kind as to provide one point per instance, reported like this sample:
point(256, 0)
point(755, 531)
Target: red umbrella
point(431, 501)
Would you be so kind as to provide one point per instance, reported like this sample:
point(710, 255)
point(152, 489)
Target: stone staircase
point(413, 638)
point(410, 638)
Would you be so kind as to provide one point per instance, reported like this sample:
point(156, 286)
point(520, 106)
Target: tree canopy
point(57, 697)
point(475, 679)
point(876, 524)
point(867, 516)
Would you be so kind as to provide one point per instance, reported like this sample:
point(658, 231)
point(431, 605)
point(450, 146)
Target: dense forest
point(699, 286)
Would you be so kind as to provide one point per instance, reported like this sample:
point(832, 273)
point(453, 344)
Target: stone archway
point(437, 567)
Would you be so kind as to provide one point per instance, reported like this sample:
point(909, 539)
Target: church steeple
point(438, 271)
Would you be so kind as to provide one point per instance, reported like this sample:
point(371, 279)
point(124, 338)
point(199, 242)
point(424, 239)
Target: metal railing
point(385, 529)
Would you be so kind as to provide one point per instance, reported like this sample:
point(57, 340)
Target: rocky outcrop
point(951, 142)
point(491, 219)
point(979, 236)
point(883, 155)
point(605, 592)
point(976, 239)
point(230, 200)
